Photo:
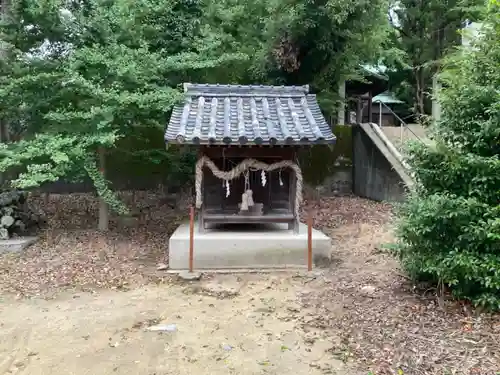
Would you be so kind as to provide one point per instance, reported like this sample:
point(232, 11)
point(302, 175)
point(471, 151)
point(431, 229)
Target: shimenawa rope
point(241, 168)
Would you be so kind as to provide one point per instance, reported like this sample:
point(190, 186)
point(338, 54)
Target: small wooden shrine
point(248, 138)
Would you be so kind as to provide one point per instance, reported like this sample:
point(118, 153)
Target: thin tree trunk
point(3, 11)
point(103, 206)
point(4, 137)
point(420, 94)
point(1, 140)
point(436, 106)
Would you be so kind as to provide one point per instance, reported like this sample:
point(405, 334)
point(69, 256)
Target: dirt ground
point(80, 303)
point(230, 325)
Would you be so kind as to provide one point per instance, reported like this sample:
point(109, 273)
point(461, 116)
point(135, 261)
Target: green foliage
point(102, 187)
point(82, 75)
point(143, 158)
point(319, 163)
point(319, 42)
point(238, 27)
point(110, 68)
point(449, 230)
point(467, 174)
point(423, 32)
point(48, 157)
point(294, 42)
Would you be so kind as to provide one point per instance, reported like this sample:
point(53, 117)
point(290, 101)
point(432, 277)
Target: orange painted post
point(191, 234)
point(309, 241)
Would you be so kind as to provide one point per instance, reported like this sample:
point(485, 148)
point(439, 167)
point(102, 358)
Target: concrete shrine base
point(247, 247)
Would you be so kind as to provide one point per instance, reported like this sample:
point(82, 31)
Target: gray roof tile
point(232, 114)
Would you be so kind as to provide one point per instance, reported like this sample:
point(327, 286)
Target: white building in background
point(470, 32)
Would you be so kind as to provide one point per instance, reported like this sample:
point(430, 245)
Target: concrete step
point(412, 132)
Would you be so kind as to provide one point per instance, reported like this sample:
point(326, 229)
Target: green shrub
point(449, 229)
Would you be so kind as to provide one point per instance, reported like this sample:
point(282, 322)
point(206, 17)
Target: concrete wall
point(373, 175)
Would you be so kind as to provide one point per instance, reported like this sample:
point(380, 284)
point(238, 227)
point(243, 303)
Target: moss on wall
point(144, 157)
point(320, 162)
point(142, 161)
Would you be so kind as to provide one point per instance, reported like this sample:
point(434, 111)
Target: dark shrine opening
point(273, 192)
point(223, 197)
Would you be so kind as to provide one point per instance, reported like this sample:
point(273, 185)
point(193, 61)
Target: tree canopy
point(423, 32)
point(294, 42)
point(76, 80)
point(78, 77)
point(81, 78)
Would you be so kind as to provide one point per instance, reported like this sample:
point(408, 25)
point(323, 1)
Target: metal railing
point(403, 125)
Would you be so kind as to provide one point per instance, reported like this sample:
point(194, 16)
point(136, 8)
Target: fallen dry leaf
point(376, 319)
point(398, 327)
point(72, 254)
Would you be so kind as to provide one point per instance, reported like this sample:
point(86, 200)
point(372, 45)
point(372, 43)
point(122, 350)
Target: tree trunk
point(420, 91)
point(436, 106)
point(3, 126)
point(341, 112)
point(103, 206)
point(1, 140)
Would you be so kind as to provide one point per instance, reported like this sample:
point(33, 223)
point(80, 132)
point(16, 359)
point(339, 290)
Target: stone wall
point(338, 184)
